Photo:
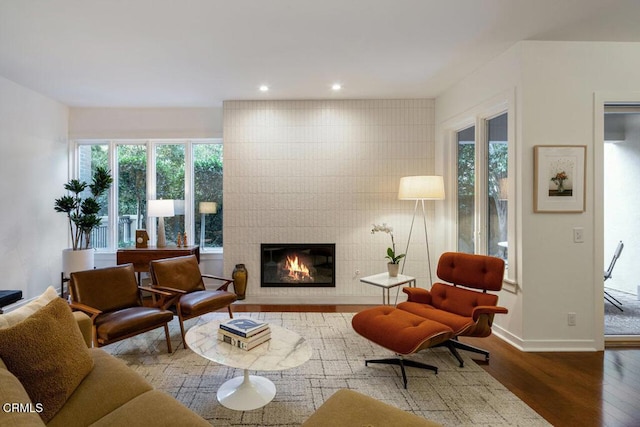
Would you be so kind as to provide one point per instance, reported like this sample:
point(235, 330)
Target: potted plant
point(82, 214)
point(394, 260)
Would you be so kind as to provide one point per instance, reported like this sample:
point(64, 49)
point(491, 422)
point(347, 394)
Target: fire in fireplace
point(297, 265)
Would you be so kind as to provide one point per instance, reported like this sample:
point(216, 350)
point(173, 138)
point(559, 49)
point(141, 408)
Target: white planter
point(77, 260)
point(393, 269)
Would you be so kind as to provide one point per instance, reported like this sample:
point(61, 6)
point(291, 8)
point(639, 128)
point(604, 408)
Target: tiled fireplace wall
point(322, 172)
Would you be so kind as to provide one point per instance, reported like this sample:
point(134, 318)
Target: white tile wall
point(323, 172)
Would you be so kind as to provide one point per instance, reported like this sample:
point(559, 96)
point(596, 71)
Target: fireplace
point(297, 265)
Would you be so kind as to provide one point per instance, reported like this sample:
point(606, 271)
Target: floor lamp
point(421, 188)
point(160, 209)
point(206, 208)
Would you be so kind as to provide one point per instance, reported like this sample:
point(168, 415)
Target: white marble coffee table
point(286, 349)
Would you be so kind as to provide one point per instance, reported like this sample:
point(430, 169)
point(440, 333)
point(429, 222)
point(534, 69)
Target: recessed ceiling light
point(336, 87)
point(264, 88)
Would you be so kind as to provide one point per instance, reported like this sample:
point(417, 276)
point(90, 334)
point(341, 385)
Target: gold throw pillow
point(47, 353)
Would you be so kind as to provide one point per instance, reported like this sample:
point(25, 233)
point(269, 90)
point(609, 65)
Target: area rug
point(454, 397)
point(626, 322)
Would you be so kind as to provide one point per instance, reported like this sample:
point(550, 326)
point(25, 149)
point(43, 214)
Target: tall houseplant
point(82, 213)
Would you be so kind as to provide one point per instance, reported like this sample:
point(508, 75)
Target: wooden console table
point(140, 257)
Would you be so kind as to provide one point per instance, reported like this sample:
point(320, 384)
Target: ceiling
point(197, 53)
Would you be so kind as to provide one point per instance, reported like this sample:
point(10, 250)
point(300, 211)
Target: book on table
point(243, 326)
point(244, 343)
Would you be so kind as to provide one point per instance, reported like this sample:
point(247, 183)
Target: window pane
point(132, 192)
point(497, 186)
point(466, 189)
point(91, 157)
point(207, 171)
point(170, 185)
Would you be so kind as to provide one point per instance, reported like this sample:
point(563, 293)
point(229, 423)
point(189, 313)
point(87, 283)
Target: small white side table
point(385, 282)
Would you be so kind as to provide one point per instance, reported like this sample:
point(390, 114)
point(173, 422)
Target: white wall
point(33, 169)
point(556, 84)
point(323, 172)
point(114, 123)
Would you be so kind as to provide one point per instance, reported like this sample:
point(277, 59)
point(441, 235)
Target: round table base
point(247, 392)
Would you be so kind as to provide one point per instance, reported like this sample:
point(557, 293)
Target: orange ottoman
point(402, 332)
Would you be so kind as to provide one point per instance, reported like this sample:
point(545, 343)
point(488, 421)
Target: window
point(187, 172)
point(89, 158)
point(466, 189)
point(484, 223)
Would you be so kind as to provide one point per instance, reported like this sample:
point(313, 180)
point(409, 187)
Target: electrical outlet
point(578, 235)
point(571, 319)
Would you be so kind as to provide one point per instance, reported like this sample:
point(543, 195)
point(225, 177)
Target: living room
point(554, 90)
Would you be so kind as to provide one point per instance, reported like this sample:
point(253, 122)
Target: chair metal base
point(400, 361)
point(611, 299)
point(453, 345)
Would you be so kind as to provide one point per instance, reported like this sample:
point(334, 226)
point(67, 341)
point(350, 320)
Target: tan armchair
point(181, 276)
point(112, 299)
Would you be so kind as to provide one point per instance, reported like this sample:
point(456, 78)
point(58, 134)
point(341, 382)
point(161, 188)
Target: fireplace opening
point(297, 265)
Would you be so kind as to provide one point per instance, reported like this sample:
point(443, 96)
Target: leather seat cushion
point(398, 330)
point(200, 302)
point(110, 326)
point(456, 322)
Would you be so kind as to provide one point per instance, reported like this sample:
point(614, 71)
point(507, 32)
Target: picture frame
point(559, 178)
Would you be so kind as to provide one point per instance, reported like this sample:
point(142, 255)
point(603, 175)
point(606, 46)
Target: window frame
point(479, 117)
point(151, 145)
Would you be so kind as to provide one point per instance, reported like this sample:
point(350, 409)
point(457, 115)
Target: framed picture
point(559, 178)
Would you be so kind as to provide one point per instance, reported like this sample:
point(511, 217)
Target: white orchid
point(391, 252)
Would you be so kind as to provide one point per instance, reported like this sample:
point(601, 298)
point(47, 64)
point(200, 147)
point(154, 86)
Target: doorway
point(621, 220)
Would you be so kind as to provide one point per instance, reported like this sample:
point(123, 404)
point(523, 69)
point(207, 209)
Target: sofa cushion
point(47, 353)
point(456, 322)
point(18, 315)
point(347, 408)
point(12, 392)
point(108, 386)
point(154, 408)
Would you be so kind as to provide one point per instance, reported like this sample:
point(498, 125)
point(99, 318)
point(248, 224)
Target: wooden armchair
point(181, 277)
point(464, 303)
point(111, 297)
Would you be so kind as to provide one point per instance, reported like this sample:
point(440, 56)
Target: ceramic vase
point(240, 277)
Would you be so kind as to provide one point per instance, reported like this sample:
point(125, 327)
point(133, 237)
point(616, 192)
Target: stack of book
point(244, 333)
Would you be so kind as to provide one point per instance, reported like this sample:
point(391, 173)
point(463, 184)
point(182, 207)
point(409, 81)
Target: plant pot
point(393, 269)
point(80, 260)
point(240, 277)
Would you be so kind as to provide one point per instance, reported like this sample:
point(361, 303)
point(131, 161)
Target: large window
point(187, 172)
point(482, 188)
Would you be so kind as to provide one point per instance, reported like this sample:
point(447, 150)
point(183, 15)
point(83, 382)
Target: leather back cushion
point(178, 273)
point(472, 271)
point(459, 300)
point(107, 289)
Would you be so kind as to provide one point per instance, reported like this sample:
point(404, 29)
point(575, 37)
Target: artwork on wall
point(559, 178)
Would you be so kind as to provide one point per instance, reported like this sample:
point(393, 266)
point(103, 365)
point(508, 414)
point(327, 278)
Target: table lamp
point(206, 208)
point(160, 209)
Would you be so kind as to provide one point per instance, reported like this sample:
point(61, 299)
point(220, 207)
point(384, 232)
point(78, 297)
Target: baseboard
point(544, 345)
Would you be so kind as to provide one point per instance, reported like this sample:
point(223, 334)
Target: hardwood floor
point(567, 389)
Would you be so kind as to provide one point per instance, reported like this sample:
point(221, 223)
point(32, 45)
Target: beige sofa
point(110, 394)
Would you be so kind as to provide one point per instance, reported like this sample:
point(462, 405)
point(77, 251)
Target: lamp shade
point(208, 207)
point(160, 208)
point(425, 187)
